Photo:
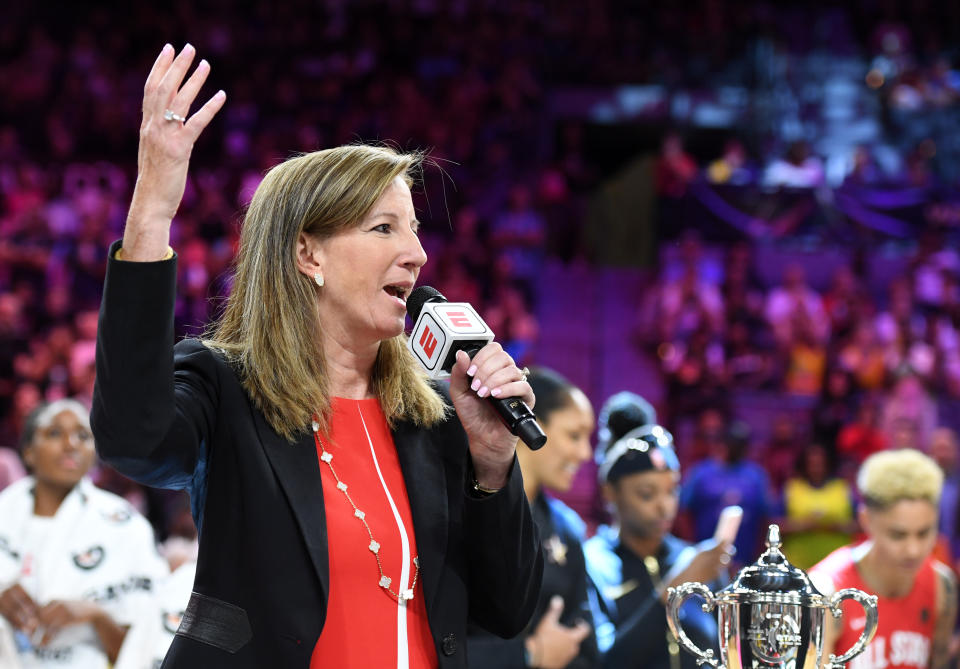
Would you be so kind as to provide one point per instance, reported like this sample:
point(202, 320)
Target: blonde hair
point(270, 328)
point(888, 477)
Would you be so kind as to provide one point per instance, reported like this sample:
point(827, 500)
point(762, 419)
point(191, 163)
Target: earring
point(319, 279)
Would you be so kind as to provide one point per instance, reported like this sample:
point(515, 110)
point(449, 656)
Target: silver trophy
point(770, 616)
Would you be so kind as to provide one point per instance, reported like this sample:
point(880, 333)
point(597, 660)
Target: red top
point(906, 624)
point(366, 626)
point(860, 441)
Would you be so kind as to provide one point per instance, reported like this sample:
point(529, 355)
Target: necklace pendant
point(385, 581)
point(406, 594)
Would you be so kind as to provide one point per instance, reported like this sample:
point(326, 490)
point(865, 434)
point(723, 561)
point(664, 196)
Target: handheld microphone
point(442, 328)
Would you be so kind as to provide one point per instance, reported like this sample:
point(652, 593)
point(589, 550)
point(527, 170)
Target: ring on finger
point(170, 115)
point(524, 373)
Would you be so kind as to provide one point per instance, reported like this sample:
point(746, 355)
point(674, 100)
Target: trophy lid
point(773, 574)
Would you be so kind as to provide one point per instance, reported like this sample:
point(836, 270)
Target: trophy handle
point(869, 604)
point(676, 597)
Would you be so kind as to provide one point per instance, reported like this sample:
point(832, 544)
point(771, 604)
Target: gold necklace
point(405, 594)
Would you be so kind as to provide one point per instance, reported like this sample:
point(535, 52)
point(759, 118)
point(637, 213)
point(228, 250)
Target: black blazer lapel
point(426, 481)
point(298, 470)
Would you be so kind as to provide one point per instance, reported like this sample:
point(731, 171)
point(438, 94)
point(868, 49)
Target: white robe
point(152, 633)
point(97, 548)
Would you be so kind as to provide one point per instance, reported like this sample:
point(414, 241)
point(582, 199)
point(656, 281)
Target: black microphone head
point(419, 297)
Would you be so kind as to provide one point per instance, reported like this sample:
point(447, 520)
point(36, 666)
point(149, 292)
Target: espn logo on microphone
point(460, 319)
point(442, 329)
point(428, 341)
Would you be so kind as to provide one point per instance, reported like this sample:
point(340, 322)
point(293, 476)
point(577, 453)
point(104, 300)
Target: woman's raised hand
point(167, 135)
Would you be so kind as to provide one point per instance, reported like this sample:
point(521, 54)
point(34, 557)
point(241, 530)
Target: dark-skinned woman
point(76, 562)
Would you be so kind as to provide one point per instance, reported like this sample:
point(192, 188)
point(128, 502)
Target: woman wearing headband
point(76, 562)
point(560, 634)
point(633, 561)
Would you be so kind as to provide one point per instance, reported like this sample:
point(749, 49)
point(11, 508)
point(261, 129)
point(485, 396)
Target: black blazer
point(177, 417)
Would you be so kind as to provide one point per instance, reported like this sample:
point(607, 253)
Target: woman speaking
point(351, 514)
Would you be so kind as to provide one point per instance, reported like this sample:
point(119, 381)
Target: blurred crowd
point(716, 326)
point(508, 189)
point(857, 371)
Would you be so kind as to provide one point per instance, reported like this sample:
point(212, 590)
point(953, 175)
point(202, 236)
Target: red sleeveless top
point(366, 626)
point(906, 624)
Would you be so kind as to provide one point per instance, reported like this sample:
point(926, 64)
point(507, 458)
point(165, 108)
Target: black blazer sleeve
point(504, 557)
point(150, 423)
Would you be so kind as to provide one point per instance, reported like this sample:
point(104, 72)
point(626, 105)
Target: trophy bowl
point(771, 615)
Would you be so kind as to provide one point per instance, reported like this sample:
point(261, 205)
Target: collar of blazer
point(298, 470)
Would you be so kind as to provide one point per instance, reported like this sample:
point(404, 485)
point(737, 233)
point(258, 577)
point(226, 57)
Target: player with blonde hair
point(917, 595)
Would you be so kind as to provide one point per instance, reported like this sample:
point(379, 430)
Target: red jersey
point(906, 624)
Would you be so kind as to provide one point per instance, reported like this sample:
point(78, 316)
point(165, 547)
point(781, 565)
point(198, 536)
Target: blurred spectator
point(794, 309)
point(565, 237)
point(944, 451)
point(743, 293)
point(806, 359)
point(798, 168)
point(468, 245)
point(731, 167)
point(862, 437)
point(748, 365)
point(845, 302)
point(863, 356)
point(452, 279)
point(864, 170)
point(783, 448)
point(818, 509)
point(689, 304)
point(694, 373)
point(918, 172)
point(26, 396)
point(675, 168)
point(508, 315)
point(708, 435)
point(909, 414)
point(517, 236)
point(902, 330)
point(931, 265)
point(727, 478)
point(835, 408)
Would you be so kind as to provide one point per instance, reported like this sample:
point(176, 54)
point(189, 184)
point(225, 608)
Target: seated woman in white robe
point(76, 562)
